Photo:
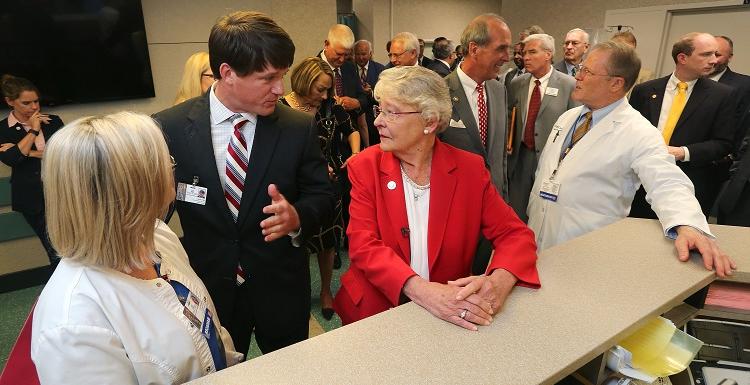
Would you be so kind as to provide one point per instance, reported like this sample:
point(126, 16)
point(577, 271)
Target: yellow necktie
point(678, 104)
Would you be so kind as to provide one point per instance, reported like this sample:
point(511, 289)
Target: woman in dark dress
point(312, 93)
point(23, 136)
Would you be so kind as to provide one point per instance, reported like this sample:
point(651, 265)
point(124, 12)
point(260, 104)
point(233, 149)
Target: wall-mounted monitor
point(77, 51)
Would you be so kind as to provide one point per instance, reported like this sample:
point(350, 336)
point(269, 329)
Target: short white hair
point(547, 41)
point(584, 34)
point(365, 42)
point(408, 39)
point(341, 35)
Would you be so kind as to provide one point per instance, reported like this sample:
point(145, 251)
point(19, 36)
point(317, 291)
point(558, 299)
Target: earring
point(426, 131)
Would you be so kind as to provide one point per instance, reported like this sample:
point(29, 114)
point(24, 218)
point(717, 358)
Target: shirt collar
point(545, 77)
point(323, 56)
point(466, 81)
point(719, 75)
point(220, 113)
point(672, 83)
point(599, 114)
point(12, 121)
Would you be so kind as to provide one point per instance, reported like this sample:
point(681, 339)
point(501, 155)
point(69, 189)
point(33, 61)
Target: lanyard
point(208, 326)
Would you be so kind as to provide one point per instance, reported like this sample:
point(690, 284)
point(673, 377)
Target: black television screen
point(77, 51)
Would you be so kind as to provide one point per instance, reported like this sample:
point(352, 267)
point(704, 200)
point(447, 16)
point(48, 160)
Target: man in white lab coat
point(599, 154)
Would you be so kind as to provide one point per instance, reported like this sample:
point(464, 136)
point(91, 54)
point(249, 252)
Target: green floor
point(15, 308)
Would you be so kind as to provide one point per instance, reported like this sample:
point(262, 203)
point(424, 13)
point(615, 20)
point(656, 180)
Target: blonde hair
point(419, 87)
point(106, 181)
point(190, 85)
point(307, 72)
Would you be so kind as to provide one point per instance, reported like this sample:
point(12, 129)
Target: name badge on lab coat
point(549, 190)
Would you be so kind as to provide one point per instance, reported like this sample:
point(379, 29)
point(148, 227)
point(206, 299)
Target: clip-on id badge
point(549, 190)
point(192, 193)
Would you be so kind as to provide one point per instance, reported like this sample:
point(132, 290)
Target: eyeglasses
point(391, 116)
point(208, 75)
point(585, 71)
point(395, 55)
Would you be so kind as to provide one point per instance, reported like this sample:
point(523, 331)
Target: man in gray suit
point(538, 97)
point(478, 123)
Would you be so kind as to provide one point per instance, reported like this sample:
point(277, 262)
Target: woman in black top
point(312, 93)
point(23, 136)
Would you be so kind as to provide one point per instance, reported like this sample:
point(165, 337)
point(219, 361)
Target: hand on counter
point(493, 289)
point(440, 300)
point(689, 238)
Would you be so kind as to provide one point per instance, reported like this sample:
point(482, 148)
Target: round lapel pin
point(391, 185)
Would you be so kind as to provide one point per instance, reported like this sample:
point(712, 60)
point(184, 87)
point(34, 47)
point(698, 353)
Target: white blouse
point(417, 213)
point(95, 325)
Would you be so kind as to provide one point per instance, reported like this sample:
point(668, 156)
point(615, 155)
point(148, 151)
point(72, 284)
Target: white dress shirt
point(470, 89)
point(544, 80)
point(222, 130)
point(95, 325)
point(719, 75)
point(666, 105)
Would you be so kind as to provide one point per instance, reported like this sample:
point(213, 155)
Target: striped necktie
point(236, 169)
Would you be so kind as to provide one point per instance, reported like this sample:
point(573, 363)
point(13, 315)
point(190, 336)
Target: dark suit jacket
point(285, 152)
point(379, 251)
point(373, 73)
point(425, 62)
point(734, 202)
point(706, 127)
point(25, 180)
point(439, 67)
point(741, 84)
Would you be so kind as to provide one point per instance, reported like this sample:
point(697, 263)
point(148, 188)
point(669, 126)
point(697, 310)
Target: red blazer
point(463, 204)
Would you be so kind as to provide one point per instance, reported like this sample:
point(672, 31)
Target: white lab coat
point(601, 174)
point(96, 325)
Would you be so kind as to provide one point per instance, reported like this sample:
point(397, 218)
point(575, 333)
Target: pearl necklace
point(417, 187)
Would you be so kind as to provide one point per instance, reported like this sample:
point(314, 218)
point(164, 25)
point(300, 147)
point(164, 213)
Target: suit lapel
point(390, 172)
point(462, 108)
point(496, 113)
point(442, 189)
point(266, 137)
point(655, 99)
point(547, 99)
point(200, 144)
point(696, 99)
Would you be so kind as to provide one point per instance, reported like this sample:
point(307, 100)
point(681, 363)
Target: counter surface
point(596, 289)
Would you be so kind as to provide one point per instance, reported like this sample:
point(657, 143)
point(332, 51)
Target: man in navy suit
point(259, 184)
point(695, 115)
point(443, 51)
point(347, 86)
point(740, 82)
point(368, 71)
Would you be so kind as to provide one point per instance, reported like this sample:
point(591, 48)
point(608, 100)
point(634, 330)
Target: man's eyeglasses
point(585, 71)
point(391, 116)
point(395, 55)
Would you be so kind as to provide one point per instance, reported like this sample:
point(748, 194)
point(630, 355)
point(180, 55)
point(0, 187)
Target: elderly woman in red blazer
point(418, 208)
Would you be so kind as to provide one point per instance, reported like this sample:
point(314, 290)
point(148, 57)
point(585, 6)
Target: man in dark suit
point(734, 202)
point(251, 184)
point(346, 83)
point(443, 51)
point(519, 69)
point(424, 61)
point(575, 47)
point(369, 71)
point(741, 83)
point(539, 97)
point(695, 115)
point(478, 123)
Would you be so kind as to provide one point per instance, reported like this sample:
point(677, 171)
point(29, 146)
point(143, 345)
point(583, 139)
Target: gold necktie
point(581, 130)
point(678, 104)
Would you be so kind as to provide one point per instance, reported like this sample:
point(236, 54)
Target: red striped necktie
point(234, 181)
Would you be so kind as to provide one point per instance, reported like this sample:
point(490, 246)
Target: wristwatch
point(35, 132)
